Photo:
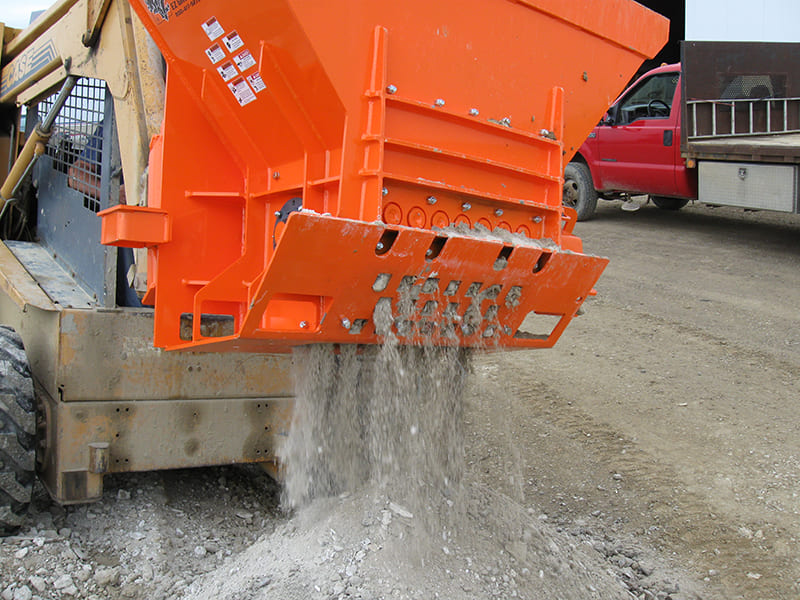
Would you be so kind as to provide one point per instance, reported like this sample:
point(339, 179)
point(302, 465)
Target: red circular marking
point(392, 214)
point(417, 217)
point(523, 229)
point(485, 222)
point(504, 225)
point(440, 220)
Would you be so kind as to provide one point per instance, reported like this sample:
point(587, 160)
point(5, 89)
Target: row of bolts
point(391, 89)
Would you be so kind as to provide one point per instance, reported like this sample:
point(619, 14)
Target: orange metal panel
point(379, 117)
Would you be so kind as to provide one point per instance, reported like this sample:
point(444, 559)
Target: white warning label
point(215, 53)
point(213, 29)
point(256, 81)
point(227, 71)
point(232, 41)
point(244, 60)
point(242, 92)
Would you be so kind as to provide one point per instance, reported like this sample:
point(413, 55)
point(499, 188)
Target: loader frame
point(107, 400)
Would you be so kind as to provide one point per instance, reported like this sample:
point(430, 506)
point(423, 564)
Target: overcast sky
point(17, 13)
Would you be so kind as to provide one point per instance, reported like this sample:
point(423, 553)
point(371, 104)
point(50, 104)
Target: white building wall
point(743, 20)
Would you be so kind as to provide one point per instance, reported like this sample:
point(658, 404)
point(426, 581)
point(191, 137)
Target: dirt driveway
point(669, 411)
point(652, 454)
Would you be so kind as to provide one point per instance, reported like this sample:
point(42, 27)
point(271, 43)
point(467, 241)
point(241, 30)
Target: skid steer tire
point(17, 432)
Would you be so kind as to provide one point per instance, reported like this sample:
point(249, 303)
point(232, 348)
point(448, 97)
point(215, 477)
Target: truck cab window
point(651, 99)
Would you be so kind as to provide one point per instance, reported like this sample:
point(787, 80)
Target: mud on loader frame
point(304, 172)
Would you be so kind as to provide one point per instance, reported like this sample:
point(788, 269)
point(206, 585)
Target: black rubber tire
point(665, 203)
point(579, 192)
point(17, 432)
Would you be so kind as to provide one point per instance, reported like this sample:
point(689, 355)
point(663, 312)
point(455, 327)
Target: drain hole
point(492, 292)
point(502, 258)
point(452, 288)
point(381, 281)
point(542, 262)
point(514, 296)
point(358, 326)
point(386, 242)
point(451, 312)
point(473, 289)
point(429, 309)
point(435, 248)
point(405, 327)
point(491, 313)
point(431, 286)
point(406, 284)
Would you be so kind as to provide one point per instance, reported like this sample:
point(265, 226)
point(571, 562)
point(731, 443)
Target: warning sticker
point(242, 92)
point(213, 29)
point(232, 41)
point(215, 53)
point(244, 60)
point(256, 81)
point(227, 70)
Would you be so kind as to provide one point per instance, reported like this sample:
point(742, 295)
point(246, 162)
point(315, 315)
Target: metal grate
point(76, 146)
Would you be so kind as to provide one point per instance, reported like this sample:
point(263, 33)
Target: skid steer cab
point(197, 189)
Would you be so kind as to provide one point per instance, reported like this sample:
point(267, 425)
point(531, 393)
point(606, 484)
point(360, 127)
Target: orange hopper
point(316, 156)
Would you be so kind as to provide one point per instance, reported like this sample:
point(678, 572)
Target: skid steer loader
point(194, 187)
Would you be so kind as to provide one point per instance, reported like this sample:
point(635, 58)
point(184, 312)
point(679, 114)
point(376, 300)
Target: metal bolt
point(276, 175)
point(466, 206)
point(505, 122)
point(474, 112)
point(391, 89)
point(346, 323)
point(537, 219)
point(385, 191)
point(428, 252)
point(439, 102)
point(498, 212)
point(303, 324)
point(278, 214)
point(431, 200)
point(585, 76)
point(379, 246)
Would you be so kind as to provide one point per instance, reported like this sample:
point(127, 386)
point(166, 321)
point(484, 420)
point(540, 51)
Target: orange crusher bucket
point(319, 159)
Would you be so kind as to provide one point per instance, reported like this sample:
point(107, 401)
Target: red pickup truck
point(722, 127)
point(635, 149)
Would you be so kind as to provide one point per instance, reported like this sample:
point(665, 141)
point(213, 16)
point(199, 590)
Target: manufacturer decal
point(215, 53)
point(227, 71)
point(244, 60)
point(232, 41)
point(241, 91)
point(27, 65)
point(212, 28)
point(256, 82)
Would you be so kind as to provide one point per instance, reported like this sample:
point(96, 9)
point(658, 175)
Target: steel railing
point(742, 117)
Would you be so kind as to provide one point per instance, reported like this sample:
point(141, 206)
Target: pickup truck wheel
point(17, 432)
point(579, 192)
point(669, 203)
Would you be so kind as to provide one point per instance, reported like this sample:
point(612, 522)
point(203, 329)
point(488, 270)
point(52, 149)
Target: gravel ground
point(652, 454)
